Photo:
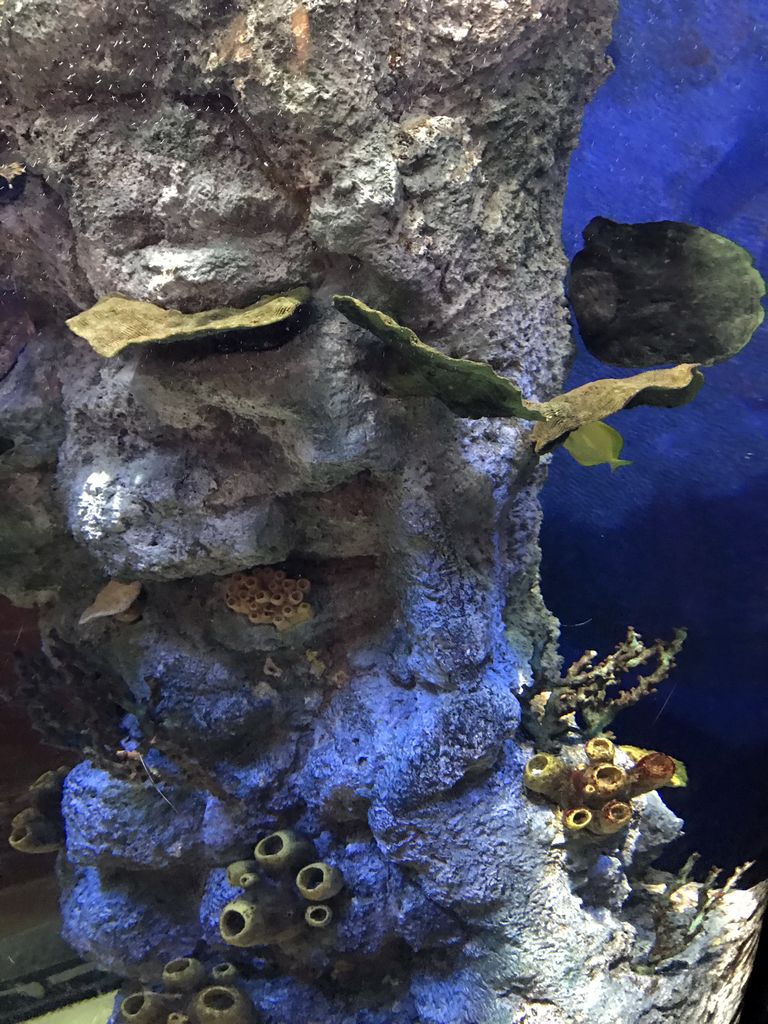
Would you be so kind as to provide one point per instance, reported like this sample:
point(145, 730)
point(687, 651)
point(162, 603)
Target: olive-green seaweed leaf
point(116, 322)
point(468, 388)
point(601, 398)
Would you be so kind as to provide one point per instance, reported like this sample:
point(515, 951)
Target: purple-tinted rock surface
point(200, 155)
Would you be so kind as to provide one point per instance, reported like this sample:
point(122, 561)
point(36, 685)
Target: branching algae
point(590, 694)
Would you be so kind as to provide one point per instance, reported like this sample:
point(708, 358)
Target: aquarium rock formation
point(201, 155)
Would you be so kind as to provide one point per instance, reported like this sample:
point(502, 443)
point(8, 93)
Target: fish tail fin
point(616, 463)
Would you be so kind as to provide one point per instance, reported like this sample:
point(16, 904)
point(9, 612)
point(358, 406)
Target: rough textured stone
point(414, 157)
point(663, 292)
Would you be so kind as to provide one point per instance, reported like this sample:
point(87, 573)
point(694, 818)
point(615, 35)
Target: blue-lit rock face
point(416, 159)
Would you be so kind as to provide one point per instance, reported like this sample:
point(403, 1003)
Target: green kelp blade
point(116, 322)
point(414, 369)
point(680, 778)
point(601, 398)
point(594, 444)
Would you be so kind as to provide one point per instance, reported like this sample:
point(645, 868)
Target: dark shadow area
point(257, 339)
point(679, 537)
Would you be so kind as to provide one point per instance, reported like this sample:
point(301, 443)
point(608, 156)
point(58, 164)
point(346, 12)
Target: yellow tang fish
point(595, 443)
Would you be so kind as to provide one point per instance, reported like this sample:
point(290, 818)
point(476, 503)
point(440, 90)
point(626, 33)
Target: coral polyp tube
point(577, 819)
point(609, 780)
point(545, 774)
point(612, 817)
point(651, 772)
point(269, 596)
point(600, 750)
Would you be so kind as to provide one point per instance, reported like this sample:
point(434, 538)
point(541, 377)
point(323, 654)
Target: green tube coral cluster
point(282, 874)
point(596, 797)
point(191, 993)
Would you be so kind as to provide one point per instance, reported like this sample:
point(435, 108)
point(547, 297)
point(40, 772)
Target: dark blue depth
point(680, 131)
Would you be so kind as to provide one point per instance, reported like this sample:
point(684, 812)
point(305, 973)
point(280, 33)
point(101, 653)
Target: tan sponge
point(269, 597)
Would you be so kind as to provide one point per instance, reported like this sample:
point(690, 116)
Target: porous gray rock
point(663, 292)
point(198, 155)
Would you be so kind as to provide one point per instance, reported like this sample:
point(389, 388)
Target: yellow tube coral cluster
point(596, 797)
point(269, 597)
point(39, 827)
point(191, 993)
point(282, 874)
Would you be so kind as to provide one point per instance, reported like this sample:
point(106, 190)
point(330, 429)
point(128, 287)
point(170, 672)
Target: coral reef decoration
point(319, 882)
point(282, 850)
point(39, 828)
point(264, 918)
point(681, 906)
point(598, 399)
point(595, 796)
point(116, 600)
point(288, 892)
point(116, 322)
point(468, 388)
point(663, 292)
point(590, 695)
point(191, 992)
point(13, 180)
point(318, 916)
point(269, 596)
point(145, 1007)
point(222, 1004)
point(185, 974)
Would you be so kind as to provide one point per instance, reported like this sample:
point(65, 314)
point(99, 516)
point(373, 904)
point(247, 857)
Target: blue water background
point(680, 131)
